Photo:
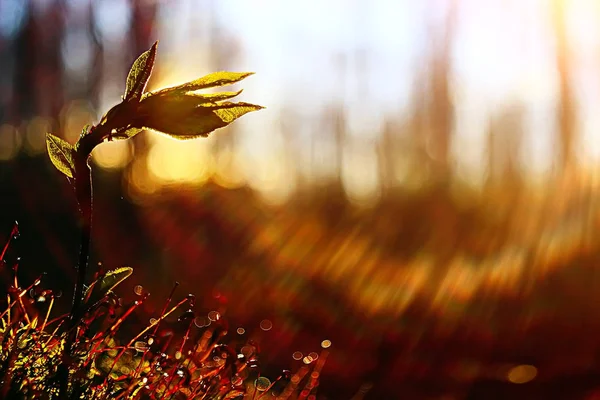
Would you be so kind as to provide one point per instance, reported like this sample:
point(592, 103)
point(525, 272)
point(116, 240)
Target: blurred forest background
point(422, 189)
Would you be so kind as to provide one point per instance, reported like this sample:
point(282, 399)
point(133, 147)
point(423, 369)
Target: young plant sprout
point(83, 354)
point(180, 112)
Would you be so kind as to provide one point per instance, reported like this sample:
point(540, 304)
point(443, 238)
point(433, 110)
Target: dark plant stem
point(83, 188)
point(83, 191)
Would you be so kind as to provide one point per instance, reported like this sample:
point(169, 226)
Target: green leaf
point(61, 154)
point(184, 117)
point(229, 112)
point(105, 283)
point(214, 97)
point(215, 79)
point(140, 73)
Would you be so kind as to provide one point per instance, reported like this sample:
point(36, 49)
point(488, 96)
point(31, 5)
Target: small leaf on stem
point(140, 73)
point(105, 283)
point(213, 97)
point(214, 79)
point(61, 154)
point(185, 117)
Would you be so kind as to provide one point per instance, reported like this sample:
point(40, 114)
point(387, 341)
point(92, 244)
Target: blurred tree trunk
point(441, 107)
point(386, 154)
point(504, 145)
point(566, 109)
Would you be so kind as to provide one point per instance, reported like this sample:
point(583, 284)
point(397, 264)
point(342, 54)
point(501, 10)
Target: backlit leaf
point(140, 73)
point(214, 79)
point(214, 97)
point(183, 117)
point(61, 154)
point(229, 112)
point(105, 283)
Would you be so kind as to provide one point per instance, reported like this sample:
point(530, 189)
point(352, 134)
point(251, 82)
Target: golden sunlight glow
point(35, 135)
point(174, 161)
point(270, 177)
point(228, 169)
point(139, 181)
point(360, 174)
point(459, 284)
point(305, 245)
point(74, 116)
point(112, 155)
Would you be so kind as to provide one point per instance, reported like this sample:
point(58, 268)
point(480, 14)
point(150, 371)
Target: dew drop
point(141, 346)
point(307, 360)
point(262, 383)
point(214, 315)
point(41, 299)
point(266, 325)
point(253, 363)
point(201, 322)
point(153, 321)
point(248, 351)
point(138, 290)
point(191, 299)
point(177, 355)
point(326, 343)
point(297, 355)
point(313, 355)
point(237, 381)
point(240, 331)
point(150, 341)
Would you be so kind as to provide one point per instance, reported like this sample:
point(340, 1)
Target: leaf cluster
point(181, 112)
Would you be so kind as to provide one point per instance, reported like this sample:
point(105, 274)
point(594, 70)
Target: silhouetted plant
point(78, 355)
point(180, 112)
